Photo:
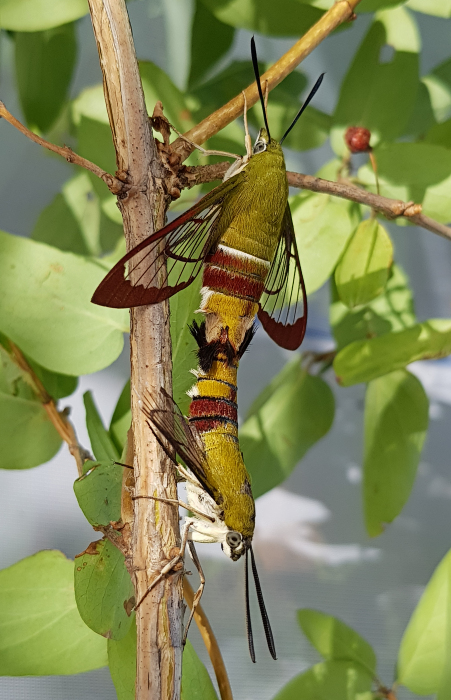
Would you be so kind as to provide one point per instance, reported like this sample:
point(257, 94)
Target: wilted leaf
point(104, 590)
point(290, 415)
point(365, 360)
point(423, 658)
point(340, 680)
point(396, 422)
point(336, 641)
point(41, 631)
point(98, 492)
point(37, 15)
point(362, 272)
point(44, 62)
point(102, 445)
point(46, 308)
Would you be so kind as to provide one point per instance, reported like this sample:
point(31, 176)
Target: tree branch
point(155, 529)
point(113, 183)
point(340, 12)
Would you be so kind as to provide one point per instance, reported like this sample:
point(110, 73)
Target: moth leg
point(178, 502)
point(200, 590)
point(204, 151)
point(247, 136)
point(189, 477)
point(170, 565)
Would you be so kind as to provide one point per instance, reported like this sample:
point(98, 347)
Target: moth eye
point(233, 539)
point(259, 147)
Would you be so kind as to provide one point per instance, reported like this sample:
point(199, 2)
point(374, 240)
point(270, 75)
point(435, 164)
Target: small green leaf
point(362, 272)
point(396, 423)
point(379, 96)
point(323, 226)
point(423, 658)
point(184, 347)
point(158, 86)
point(41, 631)
point(196, 683)
point(294, 412)
point(205, 53)
point(46, 308)
point(391, 311)
point(365, 360)
point(104, 590)
point(340, 680)
point(285, 18)
point(45, 62)
point(122, 663)
point(439, 8)
point(102, 445)
point(98, 492)
point(28, 438)
point(336, 641)
point(121, 419)
point(37, 15)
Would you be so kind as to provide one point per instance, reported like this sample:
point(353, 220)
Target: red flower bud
point(357, 139)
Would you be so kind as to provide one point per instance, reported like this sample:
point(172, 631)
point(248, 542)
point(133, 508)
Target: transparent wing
point(283, 306)
point(168, 260)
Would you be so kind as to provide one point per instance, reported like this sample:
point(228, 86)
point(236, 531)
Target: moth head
point(234, 545)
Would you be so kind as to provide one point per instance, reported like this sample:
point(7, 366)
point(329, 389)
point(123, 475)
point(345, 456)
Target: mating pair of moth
point(240, 236)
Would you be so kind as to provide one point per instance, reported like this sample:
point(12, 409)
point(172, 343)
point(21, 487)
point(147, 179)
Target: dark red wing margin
point(168, 260)
point(283, 308)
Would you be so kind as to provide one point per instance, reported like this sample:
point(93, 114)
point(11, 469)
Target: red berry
point(357, 139)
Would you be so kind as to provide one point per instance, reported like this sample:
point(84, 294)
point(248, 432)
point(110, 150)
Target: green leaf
point(336, 641)
point(420, 172)
point(365, 360)
point(96, 144)
point(293, 413)
point(204, 52)
point(439, 8)
point(98, 492)
point(196, 683)
point(90, 103)
point(310, 132)
point(380, 96)
point(158, 86)
point(323, 225)
point(28, 438)
point(285, 18)
point(45, 62)
point(391, 311)
point(423, 658)
point(41, 631)
point(101, 442)
point(37, 15)
point(121, 419)
point(340, 680)
point(122, 663)
point(440, 134)
point(374, 5)
point(362, 272)
point(46, 308)
point(184, 347)
point(103, 590)
point(396, 423)
point(56, 385)
point(422, 117)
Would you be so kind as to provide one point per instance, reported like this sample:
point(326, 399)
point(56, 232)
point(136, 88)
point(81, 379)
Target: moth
point(241, 238)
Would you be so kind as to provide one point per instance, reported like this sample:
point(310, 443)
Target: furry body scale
point(248, 233)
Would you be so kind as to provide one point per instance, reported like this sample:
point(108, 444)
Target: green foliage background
point(46, 282)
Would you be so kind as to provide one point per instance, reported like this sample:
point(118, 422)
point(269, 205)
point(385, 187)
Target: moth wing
point(283, 306)
point(167, 261)
point(179, 433)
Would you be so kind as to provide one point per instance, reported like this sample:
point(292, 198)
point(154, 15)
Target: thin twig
point(59, 419)
point(340, 12)
point(210, 642)
point(113, 183)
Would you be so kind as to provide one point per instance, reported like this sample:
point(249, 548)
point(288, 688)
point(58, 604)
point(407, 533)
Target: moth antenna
point(257, 80)
point(311, 95)
point(264, 614)
point(250, 637)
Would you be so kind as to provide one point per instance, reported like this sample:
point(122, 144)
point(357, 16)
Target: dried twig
point(340, 12)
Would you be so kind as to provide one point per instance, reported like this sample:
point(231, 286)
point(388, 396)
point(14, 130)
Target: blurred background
point(310, 543)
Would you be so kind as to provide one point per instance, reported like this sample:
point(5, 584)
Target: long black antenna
point(250, 637)
point(312, 92)
point(264, 614)
point(257, 79)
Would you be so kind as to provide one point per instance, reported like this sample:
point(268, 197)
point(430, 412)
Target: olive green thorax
point(253, 211)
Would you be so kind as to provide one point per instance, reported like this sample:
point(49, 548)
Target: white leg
point(189, 477)
point(203, 150)
point(200, 590)
point(177, 502)
point(247, 136)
